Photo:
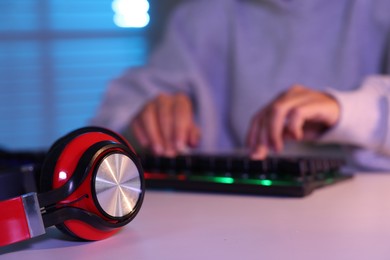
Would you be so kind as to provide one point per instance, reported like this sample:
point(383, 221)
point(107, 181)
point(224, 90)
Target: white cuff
point(364, 115)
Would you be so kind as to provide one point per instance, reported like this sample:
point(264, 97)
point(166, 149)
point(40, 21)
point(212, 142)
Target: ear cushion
point(62, 162)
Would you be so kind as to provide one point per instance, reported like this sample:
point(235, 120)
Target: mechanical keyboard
point(276, 176)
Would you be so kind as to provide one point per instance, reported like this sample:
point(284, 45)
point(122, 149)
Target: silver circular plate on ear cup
point(117, 185)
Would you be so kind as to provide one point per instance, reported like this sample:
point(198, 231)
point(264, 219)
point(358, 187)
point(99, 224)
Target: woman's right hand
point(165, 125)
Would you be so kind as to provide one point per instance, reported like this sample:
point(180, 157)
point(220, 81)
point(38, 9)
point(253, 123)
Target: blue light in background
point(56, 60)
point(131, 13)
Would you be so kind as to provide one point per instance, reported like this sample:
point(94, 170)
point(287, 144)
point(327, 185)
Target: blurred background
point(57, 57)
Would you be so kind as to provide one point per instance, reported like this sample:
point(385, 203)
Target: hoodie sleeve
point(364, 124)
point(364, 120)
point(179, 64)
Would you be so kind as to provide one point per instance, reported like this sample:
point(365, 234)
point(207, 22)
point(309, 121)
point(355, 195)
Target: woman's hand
point(298, 113)
point(165, 125)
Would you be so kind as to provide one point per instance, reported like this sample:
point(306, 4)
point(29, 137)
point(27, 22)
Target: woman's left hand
point(299, 113)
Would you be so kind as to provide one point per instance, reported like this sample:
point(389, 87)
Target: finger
point(257, 138)
point(253, 131)
point(275, 122)
point(260, 153)
point(261, 149)
point(183, 114)
point(194, 136)
point(295, 123)
point(139, 133)
point(148, 119)
point(165, 118)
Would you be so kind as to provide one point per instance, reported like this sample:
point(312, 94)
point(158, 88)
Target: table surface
point(348, 220)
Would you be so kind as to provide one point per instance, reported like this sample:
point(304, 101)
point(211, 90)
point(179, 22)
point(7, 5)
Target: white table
point(349, 220)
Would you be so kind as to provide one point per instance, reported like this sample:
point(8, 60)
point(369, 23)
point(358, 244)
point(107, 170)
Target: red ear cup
point(103, 182)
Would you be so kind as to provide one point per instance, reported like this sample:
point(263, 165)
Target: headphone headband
point(20, 219)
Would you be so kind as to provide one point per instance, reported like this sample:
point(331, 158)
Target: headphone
point(89, 184)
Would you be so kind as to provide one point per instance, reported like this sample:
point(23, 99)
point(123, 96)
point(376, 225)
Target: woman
point(271, 75)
